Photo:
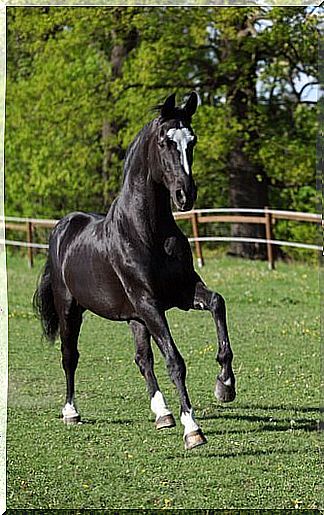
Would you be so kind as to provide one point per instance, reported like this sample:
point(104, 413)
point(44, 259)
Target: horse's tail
point(43, 303)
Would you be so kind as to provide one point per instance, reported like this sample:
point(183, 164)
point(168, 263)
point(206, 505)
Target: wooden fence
point(266, 217)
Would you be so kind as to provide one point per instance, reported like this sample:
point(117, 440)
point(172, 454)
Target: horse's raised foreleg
point(213, 302)
point(145, 362)
point(70, 324)
point(157, 326)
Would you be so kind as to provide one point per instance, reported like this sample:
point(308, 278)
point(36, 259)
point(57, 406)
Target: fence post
point(195, 230)
point(269, 236)
point(30, 240)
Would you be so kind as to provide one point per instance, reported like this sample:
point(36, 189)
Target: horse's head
point(175, 141)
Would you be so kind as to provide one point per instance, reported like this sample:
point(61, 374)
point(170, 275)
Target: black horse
point(134, 264)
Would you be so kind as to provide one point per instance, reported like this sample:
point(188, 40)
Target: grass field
point(263, 450)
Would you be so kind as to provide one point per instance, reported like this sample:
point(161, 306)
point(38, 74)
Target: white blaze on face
point(181, 137)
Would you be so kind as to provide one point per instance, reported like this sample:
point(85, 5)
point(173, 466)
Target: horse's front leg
point(145, 362)
point(213, 302)
point(157, 326)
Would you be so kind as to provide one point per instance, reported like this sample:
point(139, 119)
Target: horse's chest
point(173, 250)
point(173, 269)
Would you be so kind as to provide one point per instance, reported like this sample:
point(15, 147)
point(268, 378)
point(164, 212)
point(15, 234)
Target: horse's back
point(67, 230)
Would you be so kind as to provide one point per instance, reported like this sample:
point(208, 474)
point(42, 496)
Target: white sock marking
point(158, 405)
point(189, 422)
point(181, 137)
point(69, 411)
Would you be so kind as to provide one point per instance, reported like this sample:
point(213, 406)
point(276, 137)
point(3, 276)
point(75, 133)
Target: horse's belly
point(99, 290)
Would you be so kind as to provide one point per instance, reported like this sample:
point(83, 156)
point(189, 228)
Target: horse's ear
point(168, 107)
point(191, 104)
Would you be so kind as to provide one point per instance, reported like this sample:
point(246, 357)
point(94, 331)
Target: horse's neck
point(144, 203)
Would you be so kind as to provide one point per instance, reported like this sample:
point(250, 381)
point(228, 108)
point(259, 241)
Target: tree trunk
point(247, 180)
point(123, 43)
point(247, 189)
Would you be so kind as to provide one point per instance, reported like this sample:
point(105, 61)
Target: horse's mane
point(132, 148)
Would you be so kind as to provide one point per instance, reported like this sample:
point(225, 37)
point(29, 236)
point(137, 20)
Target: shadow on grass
point(239, 454)
point(266, 422)
point(274, 427)
point(297, 409)
point(107, 421)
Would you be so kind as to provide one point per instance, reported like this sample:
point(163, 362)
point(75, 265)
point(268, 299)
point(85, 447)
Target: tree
point(62, 64)
point(245, 63)
point(82, 82)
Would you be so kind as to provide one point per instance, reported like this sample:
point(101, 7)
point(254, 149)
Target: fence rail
point(266, 217)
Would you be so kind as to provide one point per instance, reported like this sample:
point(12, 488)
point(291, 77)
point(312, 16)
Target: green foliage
point(73, 70)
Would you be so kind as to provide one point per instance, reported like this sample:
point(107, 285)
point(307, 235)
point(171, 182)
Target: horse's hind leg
point(144, 360)
point(213, 302)
point(70, 323)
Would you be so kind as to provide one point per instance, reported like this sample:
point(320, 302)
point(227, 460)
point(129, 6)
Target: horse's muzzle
point(184, 199)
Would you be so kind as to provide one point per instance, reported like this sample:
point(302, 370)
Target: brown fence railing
point(266, 217)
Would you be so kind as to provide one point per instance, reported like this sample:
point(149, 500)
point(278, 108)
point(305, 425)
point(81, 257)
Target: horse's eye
point(161, 141)
point(165, 142)
point(162, 138)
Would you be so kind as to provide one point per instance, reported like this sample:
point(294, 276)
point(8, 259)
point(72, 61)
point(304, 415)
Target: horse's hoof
point(165, 421)
point(224, 392)
point(72, 420)
point(194, 439)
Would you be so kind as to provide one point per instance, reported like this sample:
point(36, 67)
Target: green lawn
point(263, 450)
